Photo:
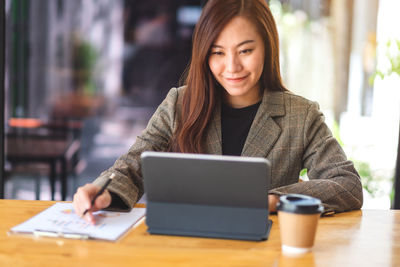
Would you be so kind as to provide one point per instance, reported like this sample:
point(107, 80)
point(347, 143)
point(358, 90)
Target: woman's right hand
point(83, 201)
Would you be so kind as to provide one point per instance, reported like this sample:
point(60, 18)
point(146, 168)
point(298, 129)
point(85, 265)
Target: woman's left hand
point(272, 202)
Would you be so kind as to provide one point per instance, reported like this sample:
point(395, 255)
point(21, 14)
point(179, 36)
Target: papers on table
point(60, 220)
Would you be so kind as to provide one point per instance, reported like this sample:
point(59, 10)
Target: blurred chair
point(36, 149)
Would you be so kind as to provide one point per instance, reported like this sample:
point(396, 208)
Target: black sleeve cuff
point(117, 203)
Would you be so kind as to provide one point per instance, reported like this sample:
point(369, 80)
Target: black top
point(235, 126)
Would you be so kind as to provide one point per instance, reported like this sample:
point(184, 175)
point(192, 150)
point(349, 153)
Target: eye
point(218, 53)
point(246, 51)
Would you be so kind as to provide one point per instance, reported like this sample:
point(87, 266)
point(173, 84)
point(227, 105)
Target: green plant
point(392, 64)
point(371, 181)
point(84, 61)
point(367, 180)
point(303, 175)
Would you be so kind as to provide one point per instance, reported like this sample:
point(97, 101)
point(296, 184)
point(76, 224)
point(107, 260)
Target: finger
point(103, 201)
point(87, 193)
point(89, 218)
point(78, 204)
point(82, 198)
point(83, 202)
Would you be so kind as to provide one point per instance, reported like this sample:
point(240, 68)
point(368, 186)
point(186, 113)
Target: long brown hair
point(202, 90)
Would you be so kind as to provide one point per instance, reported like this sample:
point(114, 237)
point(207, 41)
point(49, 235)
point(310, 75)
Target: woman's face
point(237, 61)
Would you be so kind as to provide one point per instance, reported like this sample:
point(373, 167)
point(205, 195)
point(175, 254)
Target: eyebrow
point(240, 44)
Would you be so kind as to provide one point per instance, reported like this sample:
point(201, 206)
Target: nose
point(233, 63)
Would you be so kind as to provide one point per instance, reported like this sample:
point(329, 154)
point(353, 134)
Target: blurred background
point(84, 76)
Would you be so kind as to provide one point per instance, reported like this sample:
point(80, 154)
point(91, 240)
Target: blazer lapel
point(264, 131)
point(213, 137)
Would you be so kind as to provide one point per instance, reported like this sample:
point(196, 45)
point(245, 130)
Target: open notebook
point(59, 220)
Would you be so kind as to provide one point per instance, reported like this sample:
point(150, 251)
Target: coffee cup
point(298, 217)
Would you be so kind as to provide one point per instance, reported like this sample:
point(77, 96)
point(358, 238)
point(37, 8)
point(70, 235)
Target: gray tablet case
point(206, 195)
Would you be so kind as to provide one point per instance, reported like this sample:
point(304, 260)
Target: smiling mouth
point(239, 79)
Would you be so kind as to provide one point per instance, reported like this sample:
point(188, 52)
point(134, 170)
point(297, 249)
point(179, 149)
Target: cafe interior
point(82, 79)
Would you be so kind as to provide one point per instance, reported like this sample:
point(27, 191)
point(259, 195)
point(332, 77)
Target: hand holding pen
point(100, 192)
point(86, 196)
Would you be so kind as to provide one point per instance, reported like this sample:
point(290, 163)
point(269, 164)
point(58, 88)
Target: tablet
point(206, 195)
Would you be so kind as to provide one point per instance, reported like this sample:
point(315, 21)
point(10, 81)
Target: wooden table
point(358, 238)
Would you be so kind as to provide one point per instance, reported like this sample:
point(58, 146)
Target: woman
point(234, 103)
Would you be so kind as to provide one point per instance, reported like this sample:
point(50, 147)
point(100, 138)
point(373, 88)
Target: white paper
point(60, 218)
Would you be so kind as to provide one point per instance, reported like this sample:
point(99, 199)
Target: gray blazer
point(288, 130)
